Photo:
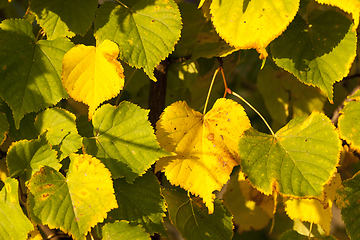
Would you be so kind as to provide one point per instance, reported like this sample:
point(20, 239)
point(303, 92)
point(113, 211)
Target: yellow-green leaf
point(252, 23)
point(93, 75)
point(205, 146)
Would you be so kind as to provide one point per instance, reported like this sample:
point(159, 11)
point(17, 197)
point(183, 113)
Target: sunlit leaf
point(60, 128)
point(124, 140)
point(205, 146)
point(140, 203)
point(294, 235)
point(349, 123)
point(348, 201)
point(349, 6)
point(92, 74)
point(146, 32)
point(29, 69)
point(298, 161)
point(75, 203)
point(13, 222)
point(191, 218)
point(61, 18)
point(123, 230)
point(4, 127)
point(253, 23)
point(319, 51)
point(25, 157)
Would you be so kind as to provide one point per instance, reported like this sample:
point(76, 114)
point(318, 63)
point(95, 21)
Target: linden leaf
point(294, 235)
point(61, 18)
point(4, 127)
point(29, 69)
point(318, 51)
point(13, 222)
point(349, 123)
point(145, 31)
point(253, 23)
point(205, 146)
point(298, 161)
point(349, 6)
point(75, 203)
point(123, 230)
point(93, 75)
point(314, 210)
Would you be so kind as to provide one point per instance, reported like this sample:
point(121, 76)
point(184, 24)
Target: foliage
point(80, 155)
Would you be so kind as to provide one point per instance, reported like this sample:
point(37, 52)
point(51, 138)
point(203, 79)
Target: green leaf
point(60, 128)
point(30, 71)
point(318, 52)
point(61, 18)
point(348, 200)
point(75, 203)
point(145, 32)
point(140, 203)
point(124, 140)
point(25, 157)
point(13, 222)
point(294, 235)
point(4, 127)
point(297, 161)
point(349, 123)
point(190, 216)
point(123, 230)
point(252, 23)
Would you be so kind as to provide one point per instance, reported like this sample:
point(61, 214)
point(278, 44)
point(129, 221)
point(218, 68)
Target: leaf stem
point(254, 109)
point(211, 85)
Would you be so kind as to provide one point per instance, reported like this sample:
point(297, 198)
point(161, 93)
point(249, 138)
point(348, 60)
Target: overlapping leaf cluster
point(75, 167)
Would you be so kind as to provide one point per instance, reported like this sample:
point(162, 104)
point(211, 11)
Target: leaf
point(29, 70)
point(349, 6)
point(13, 222)
point(92, 74)
point(314, 210)
point(123, 230)
point(25, 157)
point(190, 217)
point(124, 140)
point(66, 18)
point(348, 200)
point(140, 203)
point(145, 32)
point(75, 203)
point(254, 23)
point(293, 235)
point(298, 161)
point(4, 127)
point(205, 146)
point(320, 52)
point(251, 209)
point(348, 122)
point(60, 128)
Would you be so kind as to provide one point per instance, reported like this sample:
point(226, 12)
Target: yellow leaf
point(93, 75)
point(316, 211)
point(349, 6)
point(205, 146)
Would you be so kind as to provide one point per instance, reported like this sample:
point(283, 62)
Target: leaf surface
point(61, 18)
point(191, 218)
point(92, 74)
point(205, 146)
point(320, 52)
point(29, 70)
point(146, 32)
point(298, 161)
point(60, 128)
point(25, 157)
point(254, 23)
point(140, 203)
point(124, 140)
point(294, 235)
point(13, 222)
point(75, 203)
point(4, 127)
point(123, 230)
